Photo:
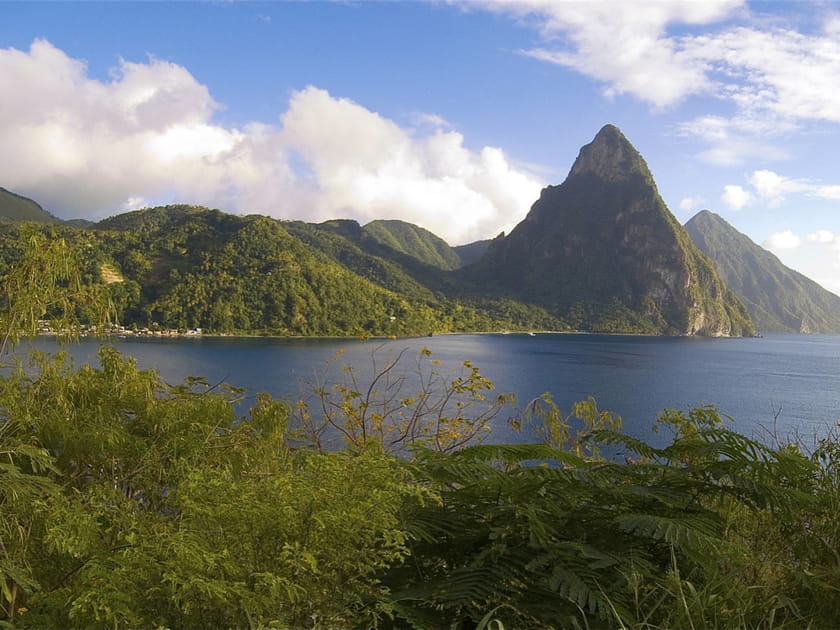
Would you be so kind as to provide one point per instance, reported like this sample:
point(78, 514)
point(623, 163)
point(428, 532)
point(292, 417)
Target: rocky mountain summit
point(603, 252)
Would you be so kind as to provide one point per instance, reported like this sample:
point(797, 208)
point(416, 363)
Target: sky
point(450, 115)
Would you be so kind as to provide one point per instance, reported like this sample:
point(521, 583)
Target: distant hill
point(472, 252)
point(415, 241)
point(778, 298)
point(203, 268)
point(14, 207)
point(603, 252)
point(80, 223)
point(348, 244)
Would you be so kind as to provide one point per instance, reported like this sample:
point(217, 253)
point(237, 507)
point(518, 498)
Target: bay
point(783, 385)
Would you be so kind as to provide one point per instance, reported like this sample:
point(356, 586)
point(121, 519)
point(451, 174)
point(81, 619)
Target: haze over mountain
point(604, 253)
point(777, 297)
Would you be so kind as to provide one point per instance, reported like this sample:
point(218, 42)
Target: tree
point(50, 280)
point(547, 536)
point(399, 408)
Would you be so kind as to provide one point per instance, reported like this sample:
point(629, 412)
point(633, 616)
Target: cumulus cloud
point(782, 240)
point(371, 168)
point(770, 184)
point(735, 197)
point(773, 187)
point(823, 236)
point(691, 203)
point(89, 148)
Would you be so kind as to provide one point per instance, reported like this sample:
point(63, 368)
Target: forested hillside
point(414, 241)
point(778, 298)
point(186, 267)
point(14, 207)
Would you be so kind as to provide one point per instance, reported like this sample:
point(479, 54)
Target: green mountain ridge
point(470, 253)
point(14, 207)
point(207, 269)
point(414, 241)
point(603, 252)
point(185, 267)
point(778, 298)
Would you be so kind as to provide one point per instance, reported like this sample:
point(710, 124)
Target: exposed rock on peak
point(611, 157)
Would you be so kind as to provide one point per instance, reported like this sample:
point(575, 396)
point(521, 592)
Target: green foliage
point(548, 536)
point(414, 241)
point(400, 409)
point(172, 511)
point(49, 282)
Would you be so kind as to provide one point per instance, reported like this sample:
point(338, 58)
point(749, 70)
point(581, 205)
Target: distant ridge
point(778, 298)
point(472, 252)
point(603, 252)
point(14, 207)
point(414, 241)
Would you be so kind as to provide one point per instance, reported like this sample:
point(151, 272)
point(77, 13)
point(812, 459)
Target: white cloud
point(89, 148)
point(823, 236)
point(623, 44)
point(817, 255)
point(827, 192)
point(370, 168)
point(774, 77)
point(733, 141)
point(735, 197)
point(691, 203)
point(773, 187)
point(782, 240)
point(134, 203)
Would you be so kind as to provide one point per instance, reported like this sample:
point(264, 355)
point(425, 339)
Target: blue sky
point(451, 115)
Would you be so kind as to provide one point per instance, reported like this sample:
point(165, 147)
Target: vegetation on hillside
point(777, 297)
point(14, 207)
point(414, 241)
point(185, 267)
point(602, 252)
point(129, 502)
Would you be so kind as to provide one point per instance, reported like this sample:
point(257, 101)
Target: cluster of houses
point(44, 328)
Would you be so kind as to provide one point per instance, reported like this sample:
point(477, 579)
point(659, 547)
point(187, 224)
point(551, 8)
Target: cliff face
point(603, 252)
point(777, 297)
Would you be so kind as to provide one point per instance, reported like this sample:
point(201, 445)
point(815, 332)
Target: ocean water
point(783, 385)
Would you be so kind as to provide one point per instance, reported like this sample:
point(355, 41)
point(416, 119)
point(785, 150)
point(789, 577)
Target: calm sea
point(782, 383)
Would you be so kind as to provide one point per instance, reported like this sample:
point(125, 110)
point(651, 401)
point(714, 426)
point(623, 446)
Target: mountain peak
point(610, 156)
point(777, 297)
point(603, 252)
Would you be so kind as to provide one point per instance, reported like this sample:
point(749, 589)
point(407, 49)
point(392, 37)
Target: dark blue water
point(783, 383)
